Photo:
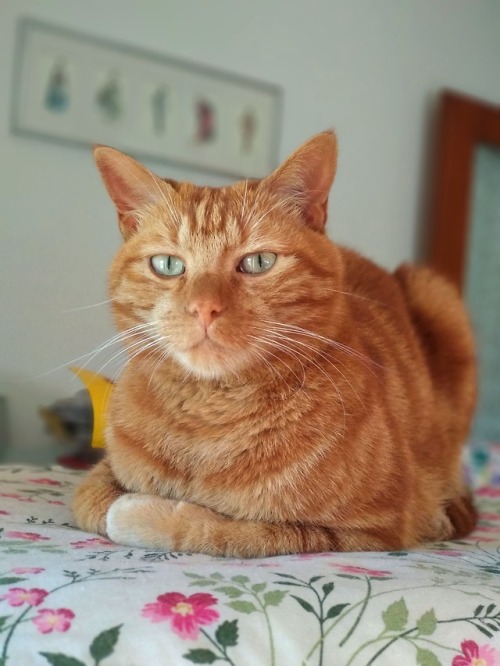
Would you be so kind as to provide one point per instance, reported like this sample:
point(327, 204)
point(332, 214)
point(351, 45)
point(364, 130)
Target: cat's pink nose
point(206, 310)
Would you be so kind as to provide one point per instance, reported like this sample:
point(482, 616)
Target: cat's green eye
point(166, 264)
point(260, 262)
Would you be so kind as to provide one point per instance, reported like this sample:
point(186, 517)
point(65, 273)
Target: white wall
point(369, 69)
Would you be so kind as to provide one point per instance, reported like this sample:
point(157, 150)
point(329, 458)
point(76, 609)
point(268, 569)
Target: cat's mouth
point(206, 343)
point(206, 358)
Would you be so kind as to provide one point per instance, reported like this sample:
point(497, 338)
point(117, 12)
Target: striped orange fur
point(320, 404)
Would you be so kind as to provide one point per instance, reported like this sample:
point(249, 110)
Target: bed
point(69, 598)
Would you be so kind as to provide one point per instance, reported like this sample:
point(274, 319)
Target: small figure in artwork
point(57, 96)
point(110, 99)
point(248, 128)
point(205, 115)
point(159, 108)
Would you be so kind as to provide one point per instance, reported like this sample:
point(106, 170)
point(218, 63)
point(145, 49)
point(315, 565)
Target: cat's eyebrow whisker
point(244, 200)
point(133, 175)
point(281, 202)
point(175, 214)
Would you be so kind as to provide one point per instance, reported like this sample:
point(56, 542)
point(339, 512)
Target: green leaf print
point(217, 576)
point(3, 620)
point(10, 580)
point(274, 597)
point(427, 658)
point(335, 610)
point(305, 604)
point(426, 624)
point(57, 659)
point(227, 634)
point(246, 607)
point(327, 588)
point(231, 591)
point(395, 617)
point(101, 647)
point(241, 579)
point(201, 656)
point(104, 643)
point(259, 587)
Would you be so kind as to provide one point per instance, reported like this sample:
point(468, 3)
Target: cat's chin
point(209, 361)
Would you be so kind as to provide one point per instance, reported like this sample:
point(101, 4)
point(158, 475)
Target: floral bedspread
point(69, 598)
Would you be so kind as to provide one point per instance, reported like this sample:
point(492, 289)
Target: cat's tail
point(443, 327)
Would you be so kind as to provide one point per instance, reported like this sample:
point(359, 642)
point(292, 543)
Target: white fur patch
point(140, 520)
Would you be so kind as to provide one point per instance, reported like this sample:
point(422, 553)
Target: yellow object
point(99, 388)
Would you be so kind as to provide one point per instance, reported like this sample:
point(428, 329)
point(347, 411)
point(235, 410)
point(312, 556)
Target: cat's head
point(222, 279)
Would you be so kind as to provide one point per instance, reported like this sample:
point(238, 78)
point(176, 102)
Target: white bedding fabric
point(68, 598)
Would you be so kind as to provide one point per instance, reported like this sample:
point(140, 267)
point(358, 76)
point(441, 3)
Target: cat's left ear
point(129, 184)
point(304, 180)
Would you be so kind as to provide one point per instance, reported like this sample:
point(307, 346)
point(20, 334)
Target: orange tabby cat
point(283, 394)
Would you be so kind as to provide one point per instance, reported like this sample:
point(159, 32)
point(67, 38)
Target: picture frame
point(82, 90)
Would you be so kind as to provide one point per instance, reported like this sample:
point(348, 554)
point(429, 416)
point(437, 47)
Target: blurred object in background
point(3, 425)
point(70, 421)
point(465, 245)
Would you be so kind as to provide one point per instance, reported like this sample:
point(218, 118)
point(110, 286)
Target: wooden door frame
point(463, 123)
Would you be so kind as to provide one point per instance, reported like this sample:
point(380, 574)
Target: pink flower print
point(17, 596)
point(186, 614)
point(347, 568)
point(4, 513)
point(451, 553)
point(90, 543)
point(489, 516)
point(29, 536)
point(475, 655)
point(46, 482)
point(311, 556)
point(488, 491)
point(56, 502)
point(11, 495)
point(49, 620)
point(27, 570)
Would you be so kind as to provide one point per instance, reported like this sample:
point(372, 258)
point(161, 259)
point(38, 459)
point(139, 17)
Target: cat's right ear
point(130, 185)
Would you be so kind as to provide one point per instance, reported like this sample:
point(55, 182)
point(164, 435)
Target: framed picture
point(79, 89)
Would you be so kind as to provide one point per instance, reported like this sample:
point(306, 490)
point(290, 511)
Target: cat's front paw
point(141, 520)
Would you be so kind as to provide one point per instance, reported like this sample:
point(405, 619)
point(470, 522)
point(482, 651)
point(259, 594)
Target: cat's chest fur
point(227, 447)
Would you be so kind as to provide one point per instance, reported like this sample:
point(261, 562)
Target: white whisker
point(87, 307)
point(244, 201)
point(295, 353)
point(323, 356)
point(151, 344)
point(291, 328)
